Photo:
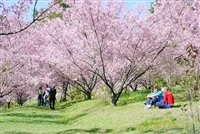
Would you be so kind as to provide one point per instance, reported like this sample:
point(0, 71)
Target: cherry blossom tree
point(13, 82)
point(110, 42)
point(13, 17)
point(18, 73)
point(94, 41)
point(56, 53)
point(179, 21)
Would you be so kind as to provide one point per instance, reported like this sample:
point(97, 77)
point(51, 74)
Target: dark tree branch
point(35, 19)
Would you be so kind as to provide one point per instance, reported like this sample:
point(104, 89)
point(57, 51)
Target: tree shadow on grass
point(37, 121)
point(17, 132)
point(31, 115)
point(94, 130)
point(129, 129)
point(125, 102)
point(71, 119)
point(42, 120)
point(173, 130)
point(177, 106)
point(79, 131)
point(65, 104)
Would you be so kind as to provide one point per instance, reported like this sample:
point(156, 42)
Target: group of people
point(47, 97)
point(160, 98)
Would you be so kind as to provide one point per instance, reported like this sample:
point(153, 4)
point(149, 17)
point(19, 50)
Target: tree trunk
point(134, 87)
point(63, 95)
point(88, 96)
point(20, 99)
point(0, 103)
point(114, 99)
point(64, 92)
point(126, 90)
point(8, 105)
point(21, 102)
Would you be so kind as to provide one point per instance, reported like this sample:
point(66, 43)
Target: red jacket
point(168, 98)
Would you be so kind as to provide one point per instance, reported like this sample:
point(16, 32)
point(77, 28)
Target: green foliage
point(35, 14)
point(54, 15)
point(131, 97)
point(58, 1)
point(76, 94)
point(176, 80)
point(103, 95)
point(151, 10)
point(64, 5)
point(179, 93)
point(138, 96)
point(192, 87)
point(12, 105)
point(160, 83)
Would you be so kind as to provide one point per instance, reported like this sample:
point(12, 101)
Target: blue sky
point(129, 3)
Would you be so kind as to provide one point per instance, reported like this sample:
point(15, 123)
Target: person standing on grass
point(40, 97)
point(52, 97)
point(168, 101)
point(46, 95)
point(153, 98)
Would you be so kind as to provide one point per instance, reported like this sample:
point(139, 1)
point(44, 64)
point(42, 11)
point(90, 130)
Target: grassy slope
point(91, 117)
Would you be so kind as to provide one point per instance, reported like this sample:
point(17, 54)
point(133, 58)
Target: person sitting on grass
point(153, 98)
point(168, 100)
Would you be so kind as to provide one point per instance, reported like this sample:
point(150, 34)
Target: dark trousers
point(151, 101)
point(163, 106)
point(52, 103)
point(40, 101)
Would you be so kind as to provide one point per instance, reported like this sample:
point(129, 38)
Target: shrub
point(76, 94)
point(103, 94)
point(160, 83)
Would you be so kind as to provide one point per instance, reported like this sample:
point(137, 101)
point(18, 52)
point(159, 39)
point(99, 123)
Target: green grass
point(132, 97)
point(167, 123)
point(83, 117)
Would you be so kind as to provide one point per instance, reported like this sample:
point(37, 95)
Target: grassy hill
point(92, 116)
